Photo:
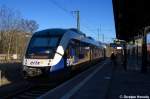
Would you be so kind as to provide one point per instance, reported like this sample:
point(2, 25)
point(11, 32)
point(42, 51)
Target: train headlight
point(25, 61)
point(49, 62)
point(25, 68)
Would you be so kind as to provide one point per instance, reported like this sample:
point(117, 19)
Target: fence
point(13, 58)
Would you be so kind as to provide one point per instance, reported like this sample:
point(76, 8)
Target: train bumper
point(32, 71)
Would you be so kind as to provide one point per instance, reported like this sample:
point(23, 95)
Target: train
point(53, 50)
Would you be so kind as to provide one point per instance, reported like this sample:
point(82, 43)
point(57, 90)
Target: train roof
point(92, 41)
point(61, 32)
point(56, 31)
point(49, 32)
point(77, 31)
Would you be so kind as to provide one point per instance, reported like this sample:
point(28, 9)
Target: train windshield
point(44, 42)
point(42, 47)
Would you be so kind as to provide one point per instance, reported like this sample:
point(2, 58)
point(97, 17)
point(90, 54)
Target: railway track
point(35, 88)
point(34, 92)
point(40, 85)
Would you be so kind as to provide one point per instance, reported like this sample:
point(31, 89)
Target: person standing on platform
point(125, 60)
point(113, 59)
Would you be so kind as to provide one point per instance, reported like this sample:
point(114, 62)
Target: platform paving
point(106, 82)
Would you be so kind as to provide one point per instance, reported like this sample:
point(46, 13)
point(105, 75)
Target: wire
point(61, 7)
point(70, 13)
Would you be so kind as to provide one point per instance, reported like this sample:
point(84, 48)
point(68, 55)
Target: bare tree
point(29, 26)
point(13, 27)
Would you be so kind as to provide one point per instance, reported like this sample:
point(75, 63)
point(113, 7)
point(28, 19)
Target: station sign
point(118, 46)
point(114, 45)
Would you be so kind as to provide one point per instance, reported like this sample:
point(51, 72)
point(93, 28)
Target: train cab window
point(39, 42)
point(53, 42)
point(42, 47)
point(44, 42)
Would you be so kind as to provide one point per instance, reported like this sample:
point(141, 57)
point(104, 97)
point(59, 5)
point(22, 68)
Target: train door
point(70, 54)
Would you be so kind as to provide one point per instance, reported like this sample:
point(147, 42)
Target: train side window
point(67, 52)
point(81, 56)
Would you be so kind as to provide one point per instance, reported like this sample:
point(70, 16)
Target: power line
point(61, 7)
point(77, 19)
point(70, 13)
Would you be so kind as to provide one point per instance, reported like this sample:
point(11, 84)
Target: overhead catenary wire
point(83, 21)
point(69, 12)
point(61, 7)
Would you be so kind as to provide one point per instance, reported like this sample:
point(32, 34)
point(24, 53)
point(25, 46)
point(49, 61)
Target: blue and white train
point(53, 50)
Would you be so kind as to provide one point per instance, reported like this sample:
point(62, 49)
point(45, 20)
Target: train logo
point(34, 63)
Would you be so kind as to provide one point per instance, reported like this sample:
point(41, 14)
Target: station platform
point(102, 81)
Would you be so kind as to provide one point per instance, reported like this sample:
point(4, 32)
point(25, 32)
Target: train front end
point(40, 52)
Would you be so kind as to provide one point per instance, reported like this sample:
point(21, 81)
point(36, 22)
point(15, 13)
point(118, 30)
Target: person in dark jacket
point(113, 58)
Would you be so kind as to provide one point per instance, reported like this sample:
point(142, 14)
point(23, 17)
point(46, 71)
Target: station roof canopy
point(131, 16)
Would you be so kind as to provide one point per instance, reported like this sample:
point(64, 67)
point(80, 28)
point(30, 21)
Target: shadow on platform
point(129, 84)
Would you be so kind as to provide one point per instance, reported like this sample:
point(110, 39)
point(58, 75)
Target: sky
point(95, 15)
